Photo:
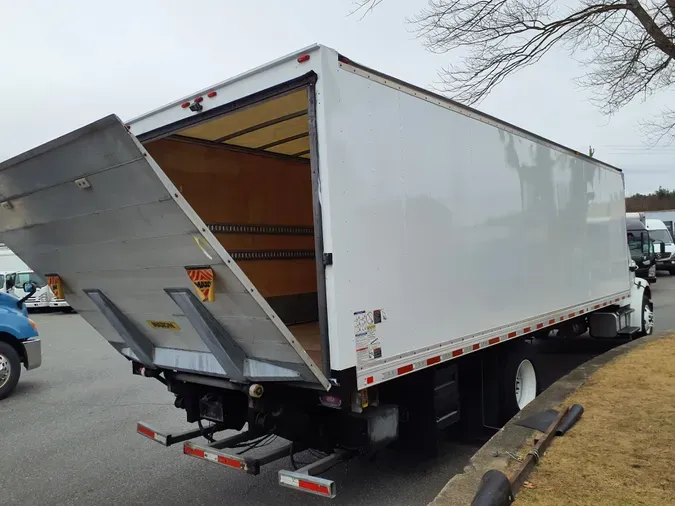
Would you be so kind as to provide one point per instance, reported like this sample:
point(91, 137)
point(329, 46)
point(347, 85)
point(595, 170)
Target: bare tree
point(626, 46)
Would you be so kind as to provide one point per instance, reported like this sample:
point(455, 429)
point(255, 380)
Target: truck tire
point(10, 369)
point(519, 384)
point(647, 317)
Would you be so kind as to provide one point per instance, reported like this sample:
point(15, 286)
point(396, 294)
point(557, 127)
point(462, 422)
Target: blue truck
point(19, 340)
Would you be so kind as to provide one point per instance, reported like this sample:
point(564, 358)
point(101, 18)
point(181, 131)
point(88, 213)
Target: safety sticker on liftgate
point(203, 280)
point(163, 325)
point(368, 347)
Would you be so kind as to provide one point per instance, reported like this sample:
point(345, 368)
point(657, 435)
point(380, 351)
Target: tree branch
point(662, 41)
point(671, 6)
point(626, 46)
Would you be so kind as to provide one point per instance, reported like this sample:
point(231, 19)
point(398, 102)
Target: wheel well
point(14, 343)
point(648, 293)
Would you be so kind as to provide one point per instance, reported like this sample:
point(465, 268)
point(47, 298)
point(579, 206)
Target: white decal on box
point(366, 341)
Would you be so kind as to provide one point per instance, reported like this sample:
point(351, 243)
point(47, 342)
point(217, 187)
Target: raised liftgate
point(95, 211)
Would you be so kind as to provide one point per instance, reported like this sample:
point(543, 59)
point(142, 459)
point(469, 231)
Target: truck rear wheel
point(519, 384)
point(10, 369)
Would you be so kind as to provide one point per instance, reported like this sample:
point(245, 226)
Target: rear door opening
point(247, 174)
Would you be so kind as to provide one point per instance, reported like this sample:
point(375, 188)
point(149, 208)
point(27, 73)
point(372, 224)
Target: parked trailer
point(308, 250)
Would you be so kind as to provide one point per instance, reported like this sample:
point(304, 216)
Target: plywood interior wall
point(225, 186)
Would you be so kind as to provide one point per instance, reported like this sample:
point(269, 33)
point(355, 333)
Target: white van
point(658, 232)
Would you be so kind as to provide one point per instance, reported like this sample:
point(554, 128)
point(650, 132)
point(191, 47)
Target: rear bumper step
point(305, 479)
point(629, 331)
point(165, 439)
point(248, 465)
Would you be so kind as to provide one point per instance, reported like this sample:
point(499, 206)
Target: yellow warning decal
point(203, 280)
point(54, 281)
point(161, 325)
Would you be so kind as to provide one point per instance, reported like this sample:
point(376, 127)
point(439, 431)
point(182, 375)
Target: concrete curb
point(461, 488)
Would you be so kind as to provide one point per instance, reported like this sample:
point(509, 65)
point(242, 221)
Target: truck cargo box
point(312, 218)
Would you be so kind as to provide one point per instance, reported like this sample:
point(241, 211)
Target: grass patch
point(622, 452)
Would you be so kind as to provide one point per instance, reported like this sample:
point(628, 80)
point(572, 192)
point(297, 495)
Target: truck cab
point(659, 233)
point(19, 341)
point(641, 249)
point(41, 297)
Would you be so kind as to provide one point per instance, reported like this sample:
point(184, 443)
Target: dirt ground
point(622, 451)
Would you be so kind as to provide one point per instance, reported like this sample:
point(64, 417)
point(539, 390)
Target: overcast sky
point(63, 66)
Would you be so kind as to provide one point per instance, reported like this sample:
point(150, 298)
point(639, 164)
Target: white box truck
point(318, 251)
point(15, 275)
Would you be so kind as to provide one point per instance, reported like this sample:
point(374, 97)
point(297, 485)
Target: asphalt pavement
point(67, 435)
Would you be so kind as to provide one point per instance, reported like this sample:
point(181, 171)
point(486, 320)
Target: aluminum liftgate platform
point(96, 210)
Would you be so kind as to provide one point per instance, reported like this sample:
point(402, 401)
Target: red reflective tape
point(405, 369)
point(571, 315)
point(369, 380)
point(476, 346)
point(527, 329)
point(314, 487)
point(604, 303)
point(540, 325)
point(494, 340)
point(597, 306)
point(195, 452)
point(229, 462)
point(433, 360)
point(616, 300)
point(457, 353)
point(145, 431)
point(581, 311)
point(562, 318)
point(511, 334)
point(551, 322)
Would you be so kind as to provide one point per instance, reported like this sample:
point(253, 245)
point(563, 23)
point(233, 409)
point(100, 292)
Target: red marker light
point(185, 105)
point(199, 99)
point(303, 58)
point(212, 94)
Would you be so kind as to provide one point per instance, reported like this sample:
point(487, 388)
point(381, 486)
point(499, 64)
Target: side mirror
point(662, 248)
point(632, 266)
point(30, 289)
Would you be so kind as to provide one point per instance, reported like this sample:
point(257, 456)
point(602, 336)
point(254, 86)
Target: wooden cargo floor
point(309, 336)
